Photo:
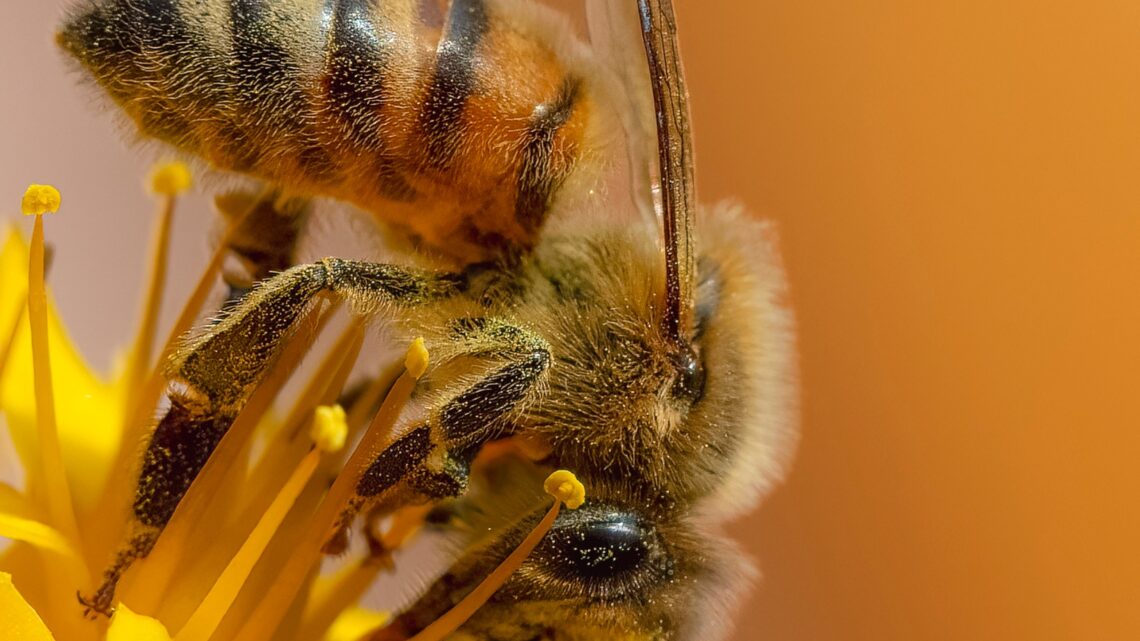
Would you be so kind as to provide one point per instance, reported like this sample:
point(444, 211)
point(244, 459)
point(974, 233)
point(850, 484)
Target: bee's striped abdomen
point(456, 122)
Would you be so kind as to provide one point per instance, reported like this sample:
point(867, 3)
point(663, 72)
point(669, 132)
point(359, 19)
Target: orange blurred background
point(956, 187)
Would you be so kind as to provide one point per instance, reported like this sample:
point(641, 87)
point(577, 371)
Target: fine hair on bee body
point(457, 121)
point(653, 358)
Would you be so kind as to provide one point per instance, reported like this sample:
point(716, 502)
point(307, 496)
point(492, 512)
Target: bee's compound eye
point(600, 546)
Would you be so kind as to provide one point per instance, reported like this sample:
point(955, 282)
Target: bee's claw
point(95, 606)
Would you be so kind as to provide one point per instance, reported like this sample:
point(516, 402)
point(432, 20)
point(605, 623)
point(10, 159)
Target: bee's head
point(607, 568)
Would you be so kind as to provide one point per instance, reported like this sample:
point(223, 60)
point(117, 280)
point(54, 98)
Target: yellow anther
point(566, 487)
point(330, 428)
point(40, 199)
point(170, 178)
point(416, 362)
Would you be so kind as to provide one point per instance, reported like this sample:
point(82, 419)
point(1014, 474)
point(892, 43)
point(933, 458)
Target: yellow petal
point(21, 623)
point(19, 523)
point(353, 623)
point(13, 288)
point(128, 626)
point(88, 410)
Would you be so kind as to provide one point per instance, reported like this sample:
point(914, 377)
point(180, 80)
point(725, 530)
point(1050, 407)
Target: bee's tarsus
point(138, 546)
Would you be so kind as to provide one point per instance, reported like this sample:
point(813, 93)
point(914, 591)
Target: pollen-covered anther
point(330, 428)
point(416, 361)
point(566, 490)
point(566, 487)
point(40, 199)
point(170, 178)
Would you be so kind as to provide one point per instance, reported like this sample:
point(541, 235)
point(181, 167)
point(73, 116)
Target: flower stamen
point(284, 449)
point(167, 181)
point(263, 621)
point(38, 200)
point(565, 488)
point(328, 436)
point(330, 596)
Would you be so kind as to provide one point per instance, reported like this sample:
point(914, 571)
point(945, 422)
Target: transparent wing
point(615, 37)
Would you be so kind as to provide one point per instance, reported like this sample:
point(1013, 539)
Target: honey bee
point(560, 275)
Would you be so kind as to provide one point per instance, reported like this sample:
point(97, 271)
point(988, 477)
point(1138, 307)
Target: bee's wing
point(615, 37)
point(641, 42)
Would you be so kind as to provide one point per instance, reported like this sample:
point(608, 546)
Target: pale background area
point(956, 187)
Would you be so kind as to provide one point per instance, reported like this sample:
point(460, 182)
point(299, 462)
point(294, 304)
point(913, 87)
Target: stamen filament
point(328, 598)
point(263, 621)
point(405, 523)
point(60, 507)
point(362, 406)
point(214, 607)
point(564, 487)
point(322, 389)
point(141, 353)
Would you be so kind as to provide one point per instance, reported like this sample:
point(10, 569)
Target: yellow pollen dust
point(40, 199)
point(566, 487)
point(330, 428)
point(170, 179)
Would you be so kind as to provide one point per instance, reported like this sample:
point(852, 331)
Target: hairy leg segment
point(212, 376)
point(431, 460)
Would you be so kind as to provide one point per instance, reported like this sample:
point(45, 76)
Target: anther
point(170, 179)
point(565, 488)
point(40, 199)
point(330, 428)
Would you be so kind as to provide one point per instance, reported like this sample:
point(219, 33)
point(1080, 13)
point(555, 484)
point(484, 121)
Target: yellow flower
point(237, 559)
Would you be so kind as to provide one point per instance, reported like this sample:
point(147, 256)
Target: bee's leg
point(262, 230)
point(431, 460)
point(214, 375)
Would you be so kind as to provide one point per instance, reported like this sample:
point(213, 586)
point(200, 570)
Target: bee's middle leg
point(431, 461)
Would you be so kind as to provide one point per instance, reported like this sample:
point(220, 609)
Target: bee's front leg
point(214, 375)
point(430, 461)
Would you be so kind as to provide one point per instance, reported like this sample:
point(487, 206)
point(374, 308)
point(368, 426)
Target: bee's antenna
point(675, 153)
